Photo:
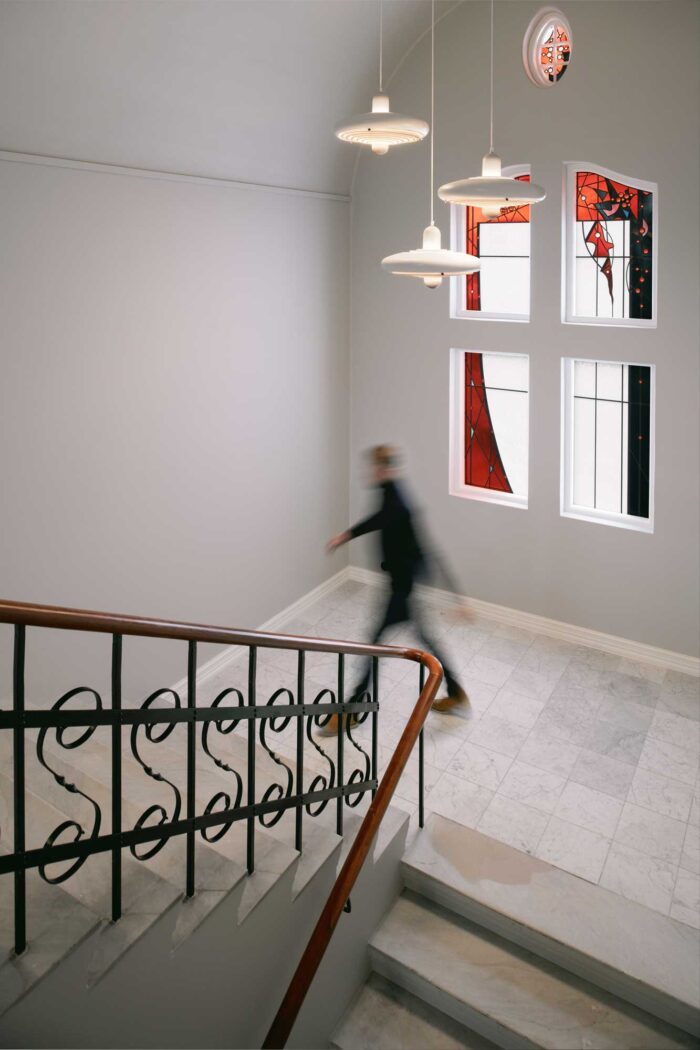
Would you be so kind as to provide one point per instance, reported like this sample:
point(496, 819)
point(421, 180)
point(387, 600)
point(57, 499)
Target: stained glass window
point(501, 289)
point(611, 275)
point(547, 47)
point(608, 441)
point(489, 426)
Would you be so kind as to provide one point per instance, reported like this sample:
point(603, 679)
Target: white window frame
point(457, 486)
point(568, 508)
point(458, 287)
point(569, 248)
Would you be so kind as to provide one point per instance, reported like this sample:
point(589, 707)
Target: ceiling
point(237, 89)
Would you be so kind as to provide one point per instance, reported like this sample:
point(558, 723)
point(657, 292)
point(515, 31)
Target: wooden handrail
point(323, 931)
point(57, 617)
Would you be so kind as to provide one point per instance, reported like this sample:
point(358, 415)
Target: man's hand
point(337, 541)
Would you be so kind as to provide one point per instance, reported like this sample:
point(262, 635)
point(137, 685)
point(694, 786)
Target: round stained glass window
point(547, 47)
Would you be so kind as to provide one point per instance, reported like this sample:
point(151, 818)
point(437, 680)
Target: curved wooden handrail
point(323, 931)
point(57, 617)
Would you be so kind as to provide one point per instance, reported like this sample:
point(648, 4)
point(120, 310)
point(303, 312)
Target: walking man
point(404, 560)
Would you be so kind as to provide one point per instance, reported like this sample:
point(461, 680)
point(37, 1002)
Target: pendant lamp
point(491, 191)
point(381, 129)
point(431, 262)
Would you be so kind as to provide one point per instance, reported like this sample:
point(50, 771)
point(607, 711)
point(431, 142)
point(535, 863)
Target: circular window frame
point(532, 42)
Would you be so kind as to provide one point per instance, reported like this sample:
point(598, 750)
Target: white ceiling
point(239, 89)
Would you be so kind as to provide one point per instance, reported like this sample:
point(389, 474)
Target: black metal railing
point(350, 770)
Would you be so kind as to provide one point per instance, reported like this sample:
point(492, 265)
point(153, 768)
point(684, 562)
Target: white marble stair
point(386, 1017)
point(639, 955)
point(503, 992)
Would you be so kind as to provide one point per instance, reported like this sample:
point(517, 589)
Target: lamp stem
point(381, 48)
point(491, 129)
point(432, 112)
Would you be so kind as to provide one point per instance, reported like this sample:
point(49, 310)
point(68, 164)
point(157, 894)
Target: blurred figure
point(405, 561)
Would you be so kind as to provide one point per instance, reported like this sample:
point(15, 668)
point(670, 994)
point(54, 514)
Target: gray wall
point(629, 102)
point(173, 404)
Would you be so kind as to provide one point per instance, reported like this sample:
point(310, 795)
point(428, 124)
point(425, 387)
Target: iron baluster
point(421, 757)
point(300, 749)
point(191, 762)
point(252, 667)
point(375, 714)
point(341, 734)
point(19, 813)
point(116, 776)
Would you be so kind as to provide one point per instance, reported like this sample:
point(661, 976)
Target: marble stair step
point(503, 992)
point(58, 923)
point(646, 958)
point(89, 768)
point(385, 1016)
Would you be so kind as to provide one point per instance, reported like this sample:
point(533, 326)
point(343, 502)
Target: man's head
point(384, 463)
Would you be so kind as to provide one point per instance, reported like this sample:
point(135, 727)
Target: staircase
point(489, 947)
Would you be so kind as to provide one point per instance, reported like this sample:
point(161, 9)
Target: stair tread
point(498, 886)
point(503, 991)
point(385, 1016)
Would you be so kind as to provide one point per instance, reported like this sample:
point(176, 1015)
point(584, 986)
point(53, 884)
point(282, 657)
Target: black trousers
point(401, 608)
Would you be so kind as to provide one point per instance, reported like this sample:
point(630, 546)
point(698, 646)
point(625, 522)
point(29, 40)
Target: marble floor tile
point(595, 658)
point(654, 791)
point(514, 823)
point(679, 763)
point(652, 672)
point(515, 707)
point(639, 877)
point(694, 817)
point(589, 809)
point(651, 833)
point(616, 741)
point(538, 684)
point(690, 856)
point(680, 693)
point(685, 905)
point(534, 787)
point(573, 699)
point(440, 748)
point(568, 726)
point(458, 799)
point(603, 773)
point(480, 765)
point(505, 650)
point(551, 664)
point(574, 849)
point(674, 729)
point(549, 753)
point(493, 672)
point(628, 687)
point(625, 713)
point(480, 694)
point(497, 734)
point(583, 675)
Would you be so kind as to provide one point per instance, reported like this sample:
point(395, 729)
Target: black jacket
point(402, 555)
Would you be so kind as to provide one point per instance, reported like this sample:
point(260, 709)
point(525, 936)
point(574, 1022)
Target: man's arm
point(370, 524)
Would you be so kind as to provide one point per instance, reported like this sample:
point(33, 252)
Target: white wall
point(173, 402)
point(629, 102)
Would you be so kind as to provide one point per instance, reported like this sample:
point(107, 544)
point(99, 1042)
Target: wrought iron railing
point(71, 843)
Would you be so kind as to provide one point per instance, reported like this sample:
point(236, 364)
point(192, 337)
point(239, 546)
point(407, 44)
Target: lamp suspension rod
point(381, 48)
point(432, 113)
point(491, 129)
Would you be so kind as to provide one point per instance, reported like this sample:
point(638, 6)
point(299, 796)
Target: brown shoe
point(331, 726)
point(454, 699)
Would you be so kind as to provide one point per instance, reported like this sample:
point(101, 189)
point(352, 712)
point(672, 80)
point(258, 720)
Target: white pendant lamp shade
point(491, 191)
point(432, 262)
point(381, 128)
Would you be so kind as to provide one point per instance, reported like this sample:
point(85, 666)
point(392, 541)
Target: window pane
point(584, 378)
point(583, 452)
point(609, 452)
point(609, 381)
point(496, 422)
point(613, 249)
point(505, 285)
